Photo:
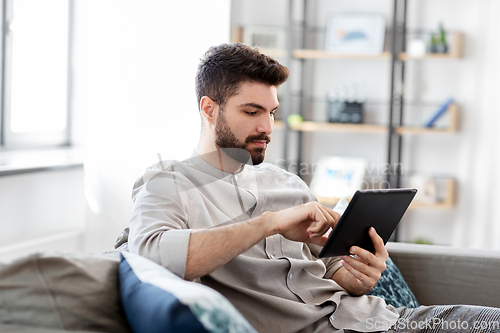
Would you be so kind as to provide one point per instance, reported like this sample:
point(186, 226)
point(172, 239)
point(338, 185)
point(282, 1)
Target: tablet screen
point(381, 209)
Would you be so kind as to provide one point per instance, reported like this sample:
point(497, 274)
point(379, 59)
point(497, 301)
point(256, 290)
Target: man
point(249, 229)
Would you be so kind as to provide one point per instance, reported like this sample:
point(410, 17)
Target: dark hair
point(223, 68)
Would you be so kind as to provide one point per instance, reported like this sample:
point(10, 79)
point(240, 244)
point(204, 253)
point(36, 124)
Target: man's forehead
point(253, 85)
point(259, 95)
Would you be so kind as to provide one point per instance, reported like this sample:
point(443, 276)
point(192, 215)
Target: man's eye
point(273, 113)
point(251, 113)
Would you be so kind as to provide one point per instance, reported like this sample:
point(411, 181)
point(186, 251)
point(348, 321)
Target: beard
point(237, 150)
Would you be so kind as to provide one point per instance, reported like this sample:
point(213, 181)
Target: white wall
point(41, 211)
point(135, 63)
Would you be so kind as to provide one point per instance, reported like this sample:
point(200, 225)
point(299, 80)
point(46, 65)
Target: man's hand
point(361, 273)
point(305, 223)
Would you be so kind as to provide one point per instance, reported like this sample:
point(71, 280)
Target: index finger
point(332, 213)
point(321, 227)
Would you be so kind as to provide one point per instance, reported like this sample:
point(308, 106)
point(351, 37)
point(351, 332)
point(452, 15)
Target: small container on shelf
point(435, 191)
point(345, 104)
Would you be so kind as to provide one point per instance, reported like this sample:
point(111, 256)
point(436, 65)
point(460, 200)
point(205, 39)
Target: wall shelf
point(421, 130)
point(452, 112)
point(274, 53)
point(456, 51)
point(278, 124)
point(447, 203)
point(320, 54)
point(311, 126)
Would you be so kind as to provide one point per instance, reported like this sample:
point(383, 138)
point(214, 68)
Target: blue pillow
point(393, 288)
point(156, 300)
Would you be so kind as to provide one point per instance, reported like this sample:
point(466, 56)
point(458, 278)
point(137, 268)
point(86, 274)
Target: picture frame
point(338, 177)
point(265, 37)
point(355, 33)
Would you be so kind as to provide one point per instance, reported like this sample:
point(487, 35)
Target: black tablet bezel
point(381, 209)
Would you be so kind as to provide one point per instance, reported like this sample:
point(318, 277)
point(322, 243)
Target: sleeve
point(159, 223)
point(332, 264)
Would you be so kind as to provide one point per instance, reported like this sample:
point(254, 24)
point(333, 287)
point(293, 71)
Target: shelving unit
point(395, 129)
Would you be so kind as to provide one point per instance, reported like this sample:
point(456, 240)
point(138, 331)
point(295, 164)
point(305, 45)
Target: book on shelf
point(442, 109)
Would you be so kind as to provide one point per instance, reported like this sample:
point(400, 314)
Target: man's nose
point(265, 124)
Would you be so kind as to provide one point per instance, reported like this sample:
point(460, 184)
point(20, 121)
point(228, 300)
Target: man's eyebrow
point(256, 106)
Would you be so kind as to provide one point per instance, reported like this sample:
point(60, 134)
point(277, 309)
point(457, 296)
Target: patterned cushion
point(393, 289)
point(156, 300)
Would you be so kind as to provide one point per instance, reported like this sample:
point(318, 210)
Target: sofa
point(449, 275)
point(94, 303)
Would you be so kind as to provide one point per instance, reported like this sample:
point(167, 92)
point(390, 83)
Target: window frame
point(8, 139)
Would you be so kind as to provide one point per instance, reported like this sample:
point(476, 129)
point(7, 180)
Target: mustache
point(260, 137)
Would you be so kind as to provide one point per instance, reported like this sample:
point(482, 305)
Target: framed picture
point(338, 177)
point(265, 37)
point(355, 33)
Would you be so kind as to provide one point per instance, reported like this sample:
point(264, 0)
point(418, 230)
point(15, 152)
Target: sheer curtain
point(479, 213)
point(135, 63)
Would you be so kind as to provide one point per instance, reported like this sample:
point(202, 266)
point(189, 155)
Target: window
point(35, 73)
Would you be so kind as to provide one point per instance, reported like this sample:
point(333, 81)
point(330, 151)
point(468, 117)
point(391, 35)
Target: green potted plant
point(442, 45)
point(438, 42)
point(433, 43)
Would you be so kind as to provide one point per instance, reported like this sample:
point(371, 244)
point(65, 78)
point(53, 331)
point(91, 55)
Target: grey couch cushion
point(449, 275)
point(62, 291)
point(32, 329)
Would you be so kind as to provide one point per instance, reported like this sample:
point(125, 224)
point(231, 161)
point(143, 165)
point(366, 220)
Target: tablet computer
point(381, 209)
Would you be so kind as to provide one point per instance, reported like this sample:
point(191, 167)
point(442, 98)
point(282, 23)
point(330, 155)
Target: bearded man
point(249, 229)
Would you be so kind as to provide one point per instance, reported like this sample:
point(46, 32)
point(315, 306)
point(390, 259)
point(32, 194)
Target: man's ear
point(208, 109)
